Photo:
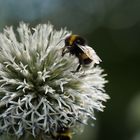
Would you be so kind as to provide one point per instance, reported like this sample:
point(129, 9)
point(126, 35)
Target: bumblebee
point(77, 46)
point(63, 134)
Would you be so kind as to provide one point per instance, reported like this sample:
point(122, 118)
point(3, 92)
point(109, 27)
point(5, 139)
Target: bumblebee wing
point(90, 53)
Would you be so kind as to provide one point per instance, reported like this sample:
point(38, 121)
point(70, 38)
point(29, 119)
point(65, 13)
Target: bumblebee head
point(74, 40)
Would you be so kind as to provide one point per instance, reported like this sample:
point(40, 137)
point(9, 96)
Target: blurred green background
point(112, 28)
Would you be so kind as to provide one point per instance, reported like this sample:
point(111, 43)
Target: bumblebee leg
point(78, 68)
point(64, 51)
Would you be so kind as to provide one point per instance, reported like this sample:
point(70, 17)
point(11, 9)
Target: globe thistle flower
point(39, 94)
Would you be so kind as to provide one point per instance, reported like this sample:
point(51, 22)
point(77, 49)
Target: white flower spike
point(38, 92)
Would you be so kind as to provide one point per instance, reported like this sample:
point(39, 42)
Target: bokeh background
point(112, 27)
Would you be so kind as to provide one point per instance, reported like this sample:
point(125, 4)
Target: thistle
point(39, 94)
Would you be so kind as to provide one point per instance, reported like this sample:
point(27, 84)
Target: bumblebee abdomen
point(84, 59)
point(87, 61)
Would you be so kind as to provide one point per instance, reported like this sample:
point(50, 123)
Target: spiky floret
point(38, 91)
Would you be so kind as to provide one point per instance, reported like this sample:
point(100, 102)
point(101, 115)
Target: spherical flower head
point(39, 93)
